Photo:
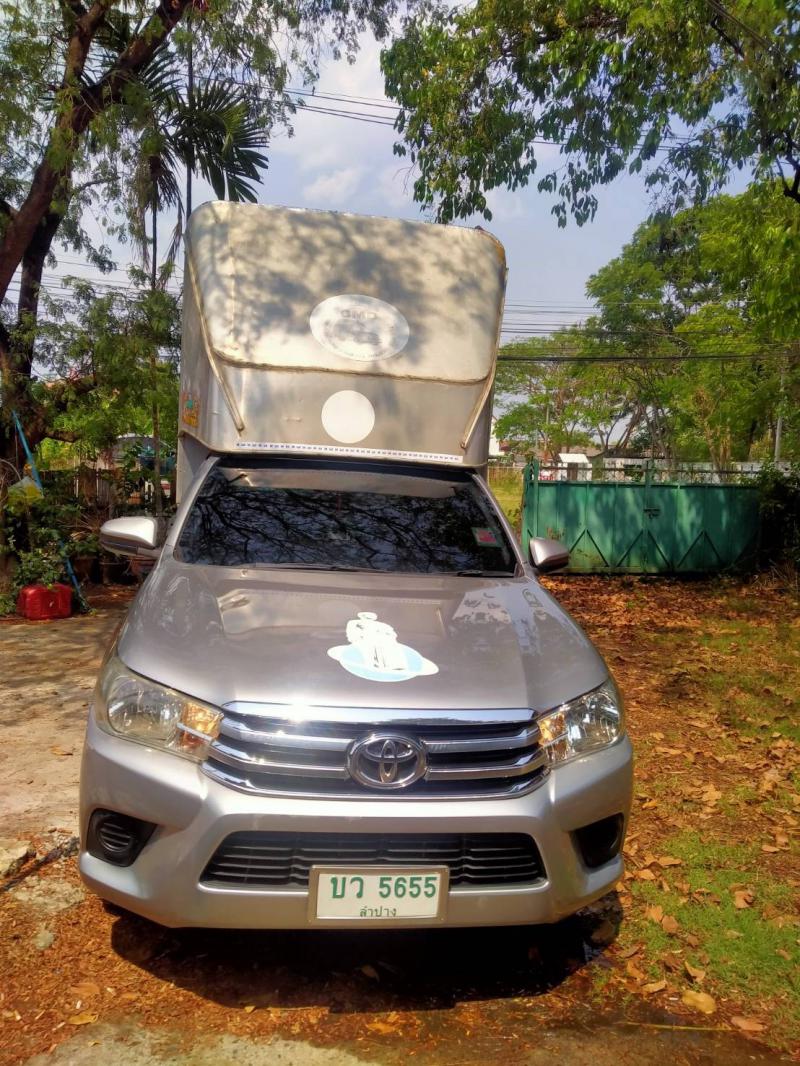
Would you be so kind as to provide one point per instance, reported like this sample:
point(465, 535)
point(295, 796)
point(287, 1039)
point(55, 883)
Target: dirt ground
point(47, 673)
point(694, 958)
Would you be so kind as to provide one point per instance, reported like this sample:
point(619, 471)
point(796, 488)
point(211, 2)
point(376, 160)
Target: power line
point(384, 120)
point(611, 357)
point(754, 35)
point(52, 283)
point(644, 360)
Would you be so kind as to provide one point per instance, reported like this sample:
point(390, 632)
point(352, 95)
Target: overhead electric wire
point(385, 120)
point(642, 360)
point(50, 287)
point(765, 354)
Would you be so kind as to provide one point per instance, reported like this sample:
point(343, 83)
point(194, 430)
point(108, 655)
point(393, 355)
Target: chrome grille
point(468, 753)
point(276, 859)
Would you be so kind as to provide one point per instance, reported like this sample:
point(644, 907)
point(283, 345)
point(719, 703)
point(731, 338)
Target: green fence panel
point(642, 527)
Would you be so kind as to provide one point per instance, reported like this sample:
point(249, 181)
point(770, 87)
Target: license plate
point(378, 895)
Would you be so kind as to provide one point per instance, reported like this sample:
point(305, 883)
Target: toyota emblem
point(386, 761)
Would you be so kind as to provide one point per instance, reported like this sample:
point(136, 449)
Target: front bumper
point(195, 814)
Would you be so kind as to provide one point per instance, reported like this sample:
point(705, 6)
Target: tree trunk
point(52, 180)
point(190, 102)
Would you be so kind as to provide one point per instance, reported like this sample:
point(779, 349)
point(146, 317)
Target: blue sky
point(337, 163)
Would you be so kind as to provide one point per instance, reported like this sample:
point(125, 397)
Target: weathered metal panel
point(319, 333)
point(644, 527)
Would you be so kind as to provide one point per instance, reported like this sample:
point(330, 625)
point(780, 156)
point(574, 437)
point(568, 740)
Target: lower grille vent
point(278, 859)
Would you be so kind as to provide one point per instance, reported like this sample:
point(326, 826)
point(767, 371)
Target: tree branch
point(51, 178)
point(30, 286)
point(68, 436)
point(791, 191)
point(717, 27)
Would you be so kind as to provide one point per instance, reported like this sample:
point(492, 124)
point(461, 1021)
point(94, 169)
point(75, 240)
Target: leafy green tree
point(207, 129)
point(703, 362)
point(550, 407)
point(703, 284)
point(71, 90)
point(692, 90)
point(108, 339)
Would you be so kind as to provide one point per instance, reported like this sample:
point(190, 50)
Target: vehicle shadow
point(370, 971)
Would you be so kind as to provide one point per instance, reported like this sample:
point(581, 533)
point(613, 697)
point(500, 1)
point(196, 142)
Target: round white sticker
point(348, 416)
point(359, 327)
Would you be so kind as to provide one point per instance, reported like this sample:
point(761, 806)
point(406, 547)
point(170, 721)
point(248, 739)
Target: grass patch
point(756, 685)
point(507, 489)
point(751, 953)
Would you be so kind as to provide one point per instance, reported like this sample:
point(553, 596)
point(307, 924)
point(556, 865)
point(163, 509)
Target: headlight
point(133, 707)
point(584, 725)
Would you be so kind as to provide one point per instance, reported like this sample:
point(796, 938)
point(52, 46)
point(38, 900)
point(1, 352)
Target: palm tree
point(207, 130)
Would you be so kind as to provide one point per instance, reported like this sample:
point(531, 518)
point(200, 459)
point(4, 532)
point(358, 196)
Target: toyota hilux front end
point(343, 698)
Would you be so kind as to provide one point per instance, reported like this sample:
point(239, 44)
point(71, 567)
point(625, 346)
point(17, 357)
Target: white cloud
point(395, 187)
point(328, 141)
point(334, 187)
point(505, 205)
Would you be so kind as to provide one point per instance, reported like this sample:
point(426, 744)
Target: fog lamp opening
point(117, 838)
point(600, 842)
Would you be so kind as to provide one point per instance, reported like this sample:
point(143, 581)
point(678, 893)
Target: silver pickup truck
point(342, 697)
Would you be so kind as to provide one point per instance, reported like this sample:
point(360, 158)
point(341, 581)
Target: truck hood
point(356, 639)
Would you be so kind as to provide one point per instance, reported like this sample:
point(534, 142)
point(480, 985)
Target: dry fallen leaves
point(84, 1018)
point(84, 989)
point(653, 987)
point(748, 1025)
point(626, 953)
point(693, 972)
point(379, 1026)
point(654, 913)
point(669, 925)
point(743, 898)
point(699, 1001)
point(710, 795)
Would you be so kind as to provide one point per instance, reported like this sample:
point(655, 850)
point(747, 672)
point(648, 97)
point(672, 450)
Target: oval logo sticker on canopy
point(359, 327)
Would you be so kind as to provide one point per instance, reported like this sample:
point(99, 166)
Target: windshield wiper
point(315, 566)
point(486, 573)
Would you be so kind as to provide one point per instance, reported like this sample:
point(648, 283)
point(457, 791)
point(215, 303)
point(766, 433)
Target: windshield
point(338, 516)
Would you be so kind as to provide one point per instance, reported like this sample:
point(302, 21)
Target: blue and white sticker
point(374, 653)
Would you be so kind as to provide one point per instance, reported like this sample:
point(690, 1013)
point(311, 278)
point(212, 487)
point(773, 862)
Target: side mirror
point(547, 554)
point(135, 536)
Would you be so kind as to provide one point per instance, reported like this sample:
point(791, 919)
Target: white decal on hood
point(375, 654)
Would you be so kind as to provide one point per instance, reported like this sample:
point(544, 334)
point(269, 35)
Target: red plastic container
point(37, 602)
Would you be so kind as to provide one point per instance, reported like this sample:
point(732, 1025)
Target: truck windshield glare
point(344, 519)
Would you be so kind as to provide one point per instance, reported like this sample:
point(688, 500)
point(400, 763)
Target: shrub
point(780, 517)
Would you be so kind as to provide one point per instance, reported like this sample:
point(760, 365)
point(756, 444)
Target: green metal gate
point(644, 527)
